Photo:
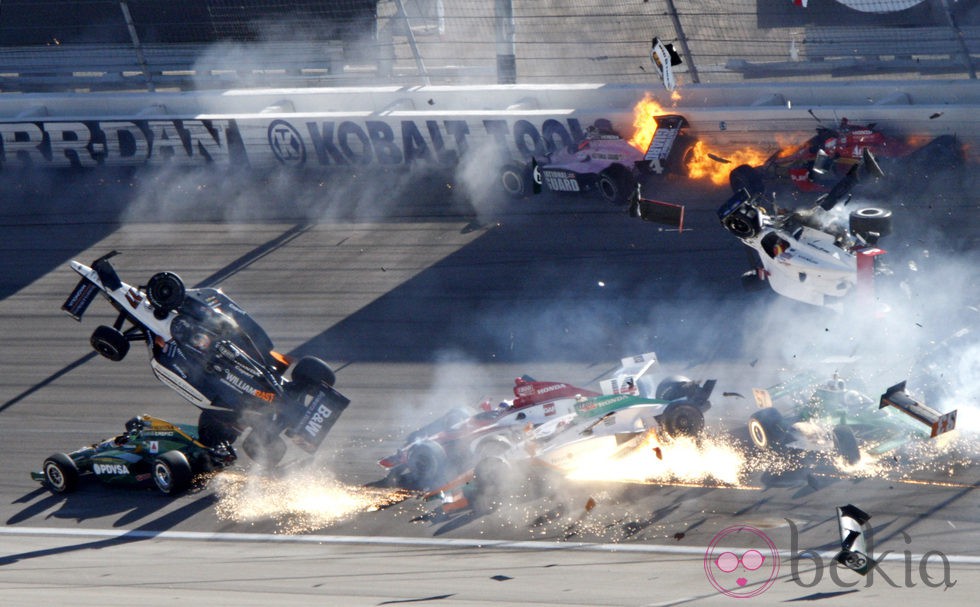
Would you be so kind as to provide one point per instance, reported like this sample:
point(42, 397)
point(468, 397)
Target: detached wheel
point(310, 371)
point(615, 185)
point(681, 419)
point(845, 443)
point(172, 473)
point(60, 473)
point(264, 447)
point(166, 292)
point(745, 177)
point(673, 387)
point(766, 428)
point(109, 342)
point(515, 180)
point(426, 464)
point(871, 219)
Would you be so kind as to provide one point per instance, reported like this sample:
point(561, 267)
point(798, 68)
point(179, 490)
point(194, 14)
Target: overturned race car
point(211, 352)
point(151, 452)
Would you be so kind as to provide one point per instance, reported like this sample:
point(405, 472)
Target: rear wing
point(664, 58)
point(668, 128)
point(631, 369)
point(939, 423)
point(664, 213)
point(87, 288)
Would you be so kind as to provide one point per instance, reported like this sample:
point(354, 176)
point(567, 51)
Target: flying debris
point(665, 58)
point(939, 423)
point(656, 211)
point(851, 521)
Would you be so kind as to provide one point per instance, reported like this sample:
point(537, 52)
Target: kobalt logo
point(286, 143)
point(101, 469)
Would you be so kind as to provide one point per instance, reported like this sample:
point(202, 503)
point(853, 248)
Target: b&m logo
point(741, 562)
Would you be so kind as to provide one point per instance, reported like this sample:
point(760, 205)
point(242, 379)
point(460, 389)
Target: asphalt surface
point(424, 298)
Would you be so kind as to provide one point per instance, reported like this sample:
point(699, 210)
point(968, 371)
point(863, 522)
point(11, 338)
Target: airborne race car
point(811, 255)
point(452, 443)
point(602, 161)
point(211, 352)
point(151, 452)
point(842, 420)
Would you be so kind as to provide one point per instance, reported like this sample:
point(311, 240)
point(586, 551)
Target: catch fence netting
point(101, 44)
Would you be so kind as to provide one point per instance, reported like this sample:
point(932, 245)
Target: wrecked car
point(832, 417)
point(206, 348)
point(601, 162)
point(151, 452)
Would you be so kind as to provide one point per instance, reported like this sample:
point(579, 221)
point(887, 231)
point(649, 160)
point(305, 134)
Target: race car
point(151, 452)
point(210, 351)
point(812, 255)
point(602, 161)
point(599, 429)
point(841, 420)
point(819, 163)
point(452, 443)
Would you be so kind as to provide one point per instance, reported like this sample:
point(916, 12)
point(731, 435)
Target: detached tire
point(766, 430)
point(172, 473)
point(515, 180)
point(426, 464)
point(871, 219)
point(615, 185)
point(264, 447)
point(745, 177)
point(681, 419)
point(60, 473)
point(845, 443)
point(310, 371)
point(109, 342)
point(166, 292)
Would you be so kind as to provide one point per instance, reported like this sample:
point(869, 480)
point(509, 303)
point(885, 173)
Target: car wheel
point(166, 292)
point(766, 430)
point(172, 473)
point(61, 473)
point(426, 464)
point(681, 419)
point(673, 387)
point(740, 225)
point(615, 185)
point(846, 445)
point(871, 219)
point(515, 180)
point(310, 371)
point(264, 447)
point(745, 177)
point(109, 342)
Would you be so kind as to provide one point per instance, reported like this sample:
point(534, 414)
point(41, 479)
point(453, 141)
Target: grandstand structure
point(148, 45)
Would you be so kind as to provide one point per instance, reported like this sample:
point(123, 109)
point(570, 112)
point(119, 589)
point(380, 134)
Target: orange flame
point(644, 122)
point(704, 166)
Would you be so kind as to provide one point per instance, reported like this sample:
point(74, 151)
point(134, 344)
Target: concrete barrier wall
point(396, 126)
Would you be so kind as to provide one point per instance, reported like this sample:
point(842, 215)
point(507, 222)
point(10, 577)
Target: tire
point(681, 419)
point(426, 464)
point(846, 445)
point(871, 219)
point(109, 342)
point(216, 427)
point(60, 473)
point(172, 473)
point(615, 185)
point(745, 177)
point(264, 447)
point(673, 387)
point(310, 371)
point(166, 291)
point(740, 225)
point(492, 447)
point(766, 429)
point(515, 179)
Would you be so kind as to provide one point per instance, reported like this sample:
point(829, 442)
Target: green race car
point(837, 419)
point(151, 452)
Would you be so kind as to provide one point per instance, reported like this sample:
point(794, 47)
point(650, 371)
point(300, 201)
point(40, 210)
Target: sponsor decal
point(286, 143)
point(100, 469)
point(315, 424)
point(237, 383)
point(549, 409)
point(551, 388)
point(154, 446)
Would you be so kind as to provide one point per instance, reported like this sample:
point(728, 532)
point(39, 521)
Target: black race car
point(211, 352)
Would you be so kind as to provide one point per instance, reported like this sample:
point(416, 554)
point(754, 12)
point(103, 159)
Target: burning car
point(452, 443)
point(601, 161)
point(151, 452)
point(838, 419)
point(812, 255)
point(211, 352)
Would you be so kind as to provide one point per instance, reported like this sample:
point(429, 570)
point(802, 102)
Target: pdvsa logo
point(100, 469)
point(286, 143)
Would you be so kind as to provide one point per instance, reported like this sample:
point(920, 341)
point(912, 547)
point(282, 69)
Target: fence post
point(140, 57)
point(504, 38)
point(692, 69)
